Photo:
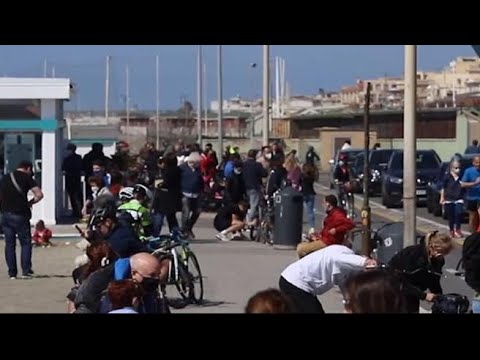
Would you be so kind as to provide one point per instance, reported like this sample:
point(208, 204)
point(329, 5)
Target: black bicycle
point(263, 232)
point(184, 268)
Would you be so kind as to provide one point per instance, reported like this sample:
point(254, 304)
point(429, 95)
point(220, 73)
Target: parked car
point(351, 154)
point(378, 164)
point(428, 164)
point(433, 190)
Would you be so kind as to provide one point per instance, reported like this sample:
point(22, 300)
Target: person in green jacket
point(139, 211)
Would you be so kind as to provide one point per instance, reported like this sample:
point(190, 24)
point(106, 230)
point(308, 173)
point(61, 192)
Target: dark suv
point(428, 165)
point(378, 163)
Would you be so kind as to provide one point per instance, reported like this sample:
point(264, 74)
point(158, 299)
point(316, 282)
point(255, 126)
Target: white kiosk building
point(32, 128)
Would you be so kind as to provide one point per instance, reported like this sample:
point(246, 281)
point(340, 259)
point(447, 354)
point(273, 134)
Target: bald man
point(471, 181)
point(144, 268)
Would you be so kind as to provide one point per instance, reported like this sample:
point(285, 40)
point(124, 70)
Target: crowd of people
point(129, 197)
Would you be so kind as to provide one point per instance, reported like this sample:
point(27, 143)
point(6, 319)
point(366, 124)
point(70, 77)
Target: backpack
point(471, 260)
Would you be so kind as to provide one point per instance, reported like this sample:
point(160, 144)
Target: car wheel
point(386, 201)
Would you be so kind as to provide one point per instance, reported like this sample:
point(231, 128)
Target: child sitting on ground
point(42, 235)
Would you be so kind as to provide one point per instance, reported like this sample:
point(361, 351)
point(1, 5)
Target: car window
point(424, 160)
point(380, 157)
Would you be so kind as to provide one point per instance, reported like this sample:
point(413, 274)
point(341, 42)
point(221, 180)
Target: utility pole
point(366, 215)
point(220, 101)
point(45, 68)
point(53, 71)
point(199, 95)
point(205, 97)
point(266, 93)
point(410, 147)
point(157, 101)
point(127, 100)
point(252, 110)
point(107, 87)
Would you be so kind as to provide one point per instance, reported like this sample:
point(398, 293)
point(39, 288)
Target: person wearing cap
point(72, 169)
point(138, 209)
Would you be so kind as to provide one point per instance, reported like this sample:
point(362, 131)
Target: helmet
point(126, 193)
point(142, 189)
point(101, 214)
point(450, 304)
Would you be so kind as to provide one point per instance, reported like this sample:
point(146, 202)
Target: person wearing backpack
point(16, 210)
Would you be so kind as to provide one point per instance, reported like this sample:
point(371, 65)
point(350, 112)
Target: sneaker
point(222, 237)
point(459, 234)
point(30, 273)
point(26, 277)
point(453, 234)
point(13, 278)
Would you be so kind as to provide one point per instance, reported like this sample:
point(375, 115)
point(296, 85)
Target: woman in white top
point(317, 273)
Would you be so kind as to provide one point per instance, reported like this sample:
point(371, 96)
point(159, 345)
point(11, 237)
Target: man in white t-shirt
point(317, 273)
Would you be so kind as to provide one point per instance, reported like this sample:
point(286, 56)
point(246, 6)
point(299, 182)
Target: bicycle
point(263, 231)
point(346, 199)
point(184, 268)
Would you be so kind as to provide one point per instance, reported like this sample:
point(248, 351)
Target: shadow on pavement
point(51, 276)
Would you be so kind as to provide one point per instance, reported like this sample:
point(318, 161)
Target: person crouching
point(230, 219)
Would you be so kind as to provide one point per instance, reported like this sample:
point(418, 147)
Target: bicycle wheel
point(193, 268)
point(184, 282)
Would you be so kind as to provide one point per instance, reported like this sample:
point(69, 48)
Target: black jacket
point(167, 198)
point(276, 179)
point(89, 294)
point(253, 172)
point(427, 272)
point(235, 188)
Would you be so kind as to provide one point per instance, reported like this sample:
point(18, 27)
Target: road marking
point(375, 205)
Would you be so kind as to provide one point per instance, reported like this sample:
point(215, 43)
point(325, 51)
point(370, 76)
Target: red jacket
point(337, 219)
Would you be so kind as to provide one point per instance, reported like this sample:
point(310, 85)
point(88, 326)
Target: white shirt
point(321, 270)
point(346, 146)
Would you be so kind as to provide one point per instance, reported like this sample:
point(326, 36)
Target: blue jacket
point(124, 241)
point(191, 180)
point(228, 171)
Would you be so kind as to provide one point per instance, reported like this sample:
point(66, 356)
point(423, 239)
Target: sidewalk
point(232, 272)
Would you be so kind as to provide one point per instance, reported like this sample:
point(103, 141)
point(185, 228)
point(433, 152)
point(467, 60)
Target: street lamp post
point(410, 147)
point(266, 94)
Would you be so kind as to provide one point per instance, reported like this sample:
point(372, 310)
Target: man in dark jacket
point(72, 169)
point(121, 237)
point(311, 156)
point(253, 173)
point(167, 198)
point(235, 184)
point(192, 187)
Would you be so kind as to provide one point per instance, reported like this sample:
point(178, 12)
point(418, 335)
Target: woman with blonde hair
point(419, 268)
point(294, 172)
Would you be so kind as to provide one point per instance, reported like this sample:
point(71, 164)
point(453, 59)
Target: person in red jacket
point(335, 226)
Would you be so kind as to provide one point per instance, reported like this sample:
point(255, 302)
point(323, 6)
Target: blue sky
point(308, 68)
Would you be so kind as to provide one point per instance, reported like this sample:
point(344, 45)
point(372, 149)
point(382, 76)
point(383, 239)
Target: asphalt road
point(451, 283)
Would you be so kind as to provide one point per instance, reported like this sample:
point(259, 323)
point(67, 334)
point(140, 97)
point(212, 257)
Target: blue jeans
point(310, 204)
point(476, 305)
point(454, 213)
point(14, 225)
point(158, 219)
point(254, 201)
